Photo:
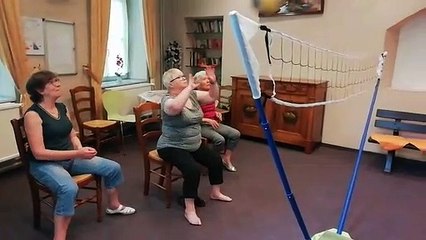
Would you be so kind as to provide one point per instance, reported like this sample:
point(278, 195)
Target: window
point(126, 54)
point(409, 72)
point(7, 85)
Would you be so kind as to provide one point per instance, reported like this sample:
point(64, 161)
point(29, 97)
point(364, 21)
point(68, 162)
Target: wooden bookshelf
point(203, 43)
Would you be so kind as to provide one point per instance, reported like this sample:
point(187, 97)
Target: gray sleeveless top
point(183, 130)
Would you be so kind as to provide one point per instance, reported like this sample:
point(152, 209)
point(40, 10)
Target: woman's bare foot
point(192, 218)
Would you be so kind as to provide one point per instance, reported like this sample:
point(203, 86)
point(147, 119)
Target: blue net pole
point(352, 182)
point(265, 125)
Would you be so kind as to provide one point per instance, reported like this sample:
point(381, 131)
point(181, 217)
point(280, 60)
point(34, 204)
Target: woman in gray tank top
point(180, 142)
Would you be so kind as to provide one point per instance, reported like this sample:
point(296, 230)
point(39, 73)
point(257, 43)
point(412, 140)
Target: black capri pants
point(186, 162)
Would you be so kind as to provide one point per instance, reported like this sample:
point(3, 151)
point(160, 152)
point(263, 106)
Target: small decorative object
point(173, 55)
point(120, 65)
point(270, 8)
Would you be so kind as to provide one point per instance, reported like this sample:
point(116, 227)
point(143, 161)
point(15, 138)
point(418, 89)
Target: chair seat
point(79, 179)
point(99, 123)
point(153, 155)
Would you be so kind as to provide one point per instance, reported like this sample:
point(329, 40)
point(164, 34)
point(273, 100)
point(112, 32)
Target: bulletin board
point(60, 47)
point(33, 35)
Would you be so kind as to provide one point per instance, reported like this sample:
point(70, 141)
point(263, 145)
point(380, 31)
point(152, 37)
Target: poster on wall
point(33, 35)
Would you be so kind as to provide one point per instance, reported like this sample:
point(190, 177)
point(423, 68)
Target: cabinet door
point(246, 115)
point(291, 124)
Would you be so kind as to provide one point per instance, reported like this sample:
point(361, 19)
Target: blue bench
point(397, 121)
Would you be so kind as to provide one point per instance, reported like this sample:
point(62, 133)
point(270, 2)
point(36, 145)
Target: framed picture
point(272, 8)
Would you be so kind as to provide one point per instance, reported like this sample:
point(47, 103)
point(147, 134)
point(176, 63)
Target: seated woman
point(221, 135)
point(58, 153)
point(180, 142)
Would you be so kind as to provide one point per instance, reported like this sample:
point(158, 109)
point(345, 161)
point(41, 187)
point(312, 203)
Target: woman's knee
point(235, 134)
point(67, 190)
point(218, 140)
point(114, 167)
point(192, 172)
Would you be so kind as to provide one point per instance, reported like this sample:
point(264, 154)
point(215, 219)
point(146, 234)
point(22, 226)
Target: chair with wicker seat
point(83, 102)
point(40, 193)
point(148, 131)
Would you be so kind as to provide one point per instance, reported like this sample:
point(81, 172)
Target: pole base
point(331, 234)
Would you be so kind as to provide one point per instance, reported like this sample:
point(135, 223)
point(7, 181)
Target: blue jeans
point(223, 137)
point(57, 177)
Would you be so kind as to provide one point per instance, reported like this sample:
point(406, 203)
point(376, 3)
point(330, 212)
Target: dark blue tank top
point(56, 131)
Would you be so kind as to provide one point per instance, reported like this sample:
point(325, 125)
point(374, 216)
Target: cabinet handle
point(249, 110)
point(290, 117)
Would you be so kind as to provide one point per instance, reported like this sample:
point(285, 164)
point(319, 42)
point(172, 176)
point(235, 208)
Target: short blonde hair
point(169, 75)
point(200, 75)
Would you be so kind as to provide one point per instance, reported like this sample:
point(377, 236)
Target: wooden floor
point(385, 206)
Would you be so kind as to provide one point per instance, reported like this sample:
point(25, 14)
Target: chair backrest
point(118, 102)
point(83, 103)
point(22, 142)
point(148, 129)
point(225, 97)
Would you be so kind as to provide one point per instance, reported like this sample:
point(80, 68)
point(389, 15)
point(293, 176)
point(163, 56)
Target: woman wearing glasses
point(58, 153)
point(180, 142)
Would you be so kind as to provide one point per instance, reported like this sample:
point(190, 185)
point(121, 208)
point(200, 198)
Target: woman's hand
point(87, 152)
point(210, 72)
point(212, 123)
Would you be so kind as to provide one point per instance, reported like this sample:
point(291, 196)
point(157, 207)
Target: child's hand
point(219, 116)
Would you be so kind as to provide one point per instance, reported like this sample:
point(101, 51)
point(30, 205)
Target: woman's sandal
point(223, 198)
point(123, 210)
point(194, 220)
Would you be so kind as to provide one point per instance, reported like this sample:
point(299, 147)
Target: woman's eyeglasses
point(54, 80)
point(183, 78)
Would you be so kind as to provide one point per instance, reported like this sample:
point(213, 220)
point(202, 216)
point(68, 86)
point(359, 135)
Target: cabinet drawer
point(293, 88)
point(242, 83)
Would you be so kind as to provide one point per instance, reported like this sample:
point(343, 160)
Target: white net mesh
point(295, 61)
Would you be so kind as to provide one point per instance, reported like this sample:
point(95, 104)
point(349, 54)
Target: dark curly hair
point(38, 82)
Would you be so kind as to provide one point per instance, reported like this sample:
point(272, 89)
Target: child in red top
point(222, 136)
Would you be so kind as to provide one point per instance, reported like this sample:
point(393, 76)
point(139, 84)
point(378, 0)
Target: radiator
point(8, 149)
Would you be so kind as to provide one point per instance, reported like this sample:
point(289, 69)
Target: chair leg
point(120, 137)
point(147, 180)
point(98, 141)
point(163, 172)
point(36, 207)
point(122, 132)
point(168, 186)
point(99, 198)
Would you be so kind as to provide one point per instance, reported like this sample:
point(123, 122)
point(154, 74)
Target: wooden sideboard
point(296, 126)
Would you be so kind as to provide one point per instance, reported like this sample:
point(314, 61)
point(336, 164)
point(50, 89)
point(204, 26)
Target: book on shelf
point(208, 26)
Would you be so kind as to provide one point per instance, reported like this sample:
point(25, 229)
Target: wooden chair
point(101, 131)
point(224, 106)
point(40, 193)
point(148, 131)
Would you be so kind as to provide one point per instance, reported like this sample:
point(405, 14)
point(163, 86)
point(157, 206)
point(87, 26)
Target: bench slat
point(400, 126)
point(401, 115)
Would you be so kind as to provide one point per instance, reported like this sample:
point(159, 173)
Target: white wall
point(410, 63)
point(350, 26)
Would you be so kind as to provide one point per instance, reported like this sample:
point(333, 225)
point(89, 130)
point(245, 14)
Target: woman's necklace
point(54, 113)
